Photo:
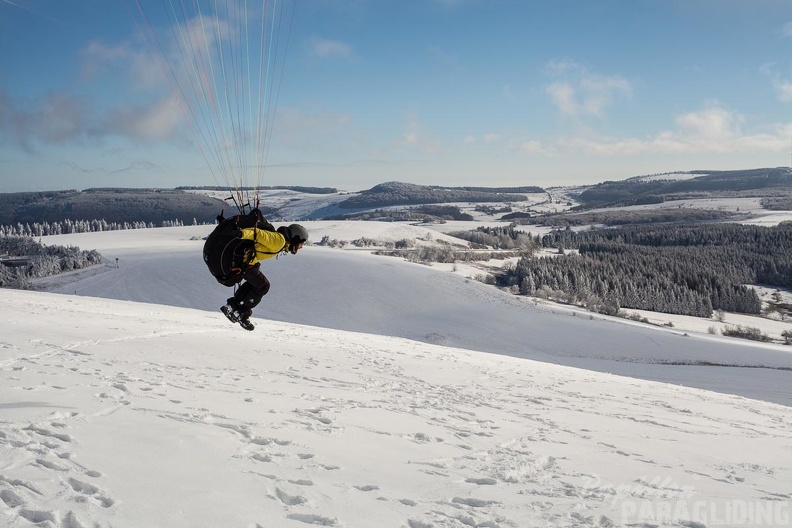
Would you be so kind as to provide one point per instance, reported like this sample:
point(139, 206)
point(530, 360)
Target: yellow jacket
point(267, 243)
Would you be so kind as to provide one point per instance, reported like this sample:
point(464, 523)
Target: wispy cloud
point(53, 119)
point(564, 97)
point(781, 86)
point(711, 130)
point(331, 49)
point(326, 134)
point(532, 146)
point(141, 70)
point(160, 120)
point(714, 123)
point(578, 92)
point(784, 91)
point(787, 29)
point(417, 139)
point(61, 119)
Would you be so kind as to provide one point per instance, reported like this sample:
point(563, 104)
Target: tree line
point(687, 270)
point(623, 217)
point(65, 227)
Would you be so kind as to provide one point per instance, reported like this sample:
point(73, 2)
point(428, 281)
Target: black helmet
point(295, 235)
point(299, 235)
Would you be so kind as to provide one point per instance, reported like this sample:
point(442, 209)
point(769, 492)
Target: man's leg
point(250, 292)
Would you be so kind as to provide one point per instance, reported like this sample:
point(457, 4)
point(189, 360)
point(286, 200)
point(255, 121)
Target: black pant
point(251, 291)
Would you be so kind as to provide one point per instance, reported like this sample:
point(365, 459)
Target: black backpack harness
point(226, 254)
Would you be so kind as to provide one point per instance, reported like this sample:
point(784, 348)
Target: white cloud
point(532, 147)
point(712, 130)
point(97, 55)
point(416, 138)
point(782, 87)
point(140, 69)
point(158, 121)
point(418, 141)
point(580, 93)
point(599, 92)
point(711, 124)
point(783, 91)
point(53, 119)
point(61, 119)
point(564, 98)
point(322, 133)
point(408, 139)
point(559, 67)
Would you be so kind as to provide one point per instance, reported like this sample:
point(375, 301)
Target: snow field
point(132, 414)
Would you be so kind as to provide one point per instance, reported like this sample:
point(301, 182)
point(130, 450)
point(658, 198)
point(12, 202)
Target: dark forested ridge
point(641, 190)
point(526, 189)
point(397, 193)
point(111, 205)
point(420, 213)
point(295, 188)
point(687, 270)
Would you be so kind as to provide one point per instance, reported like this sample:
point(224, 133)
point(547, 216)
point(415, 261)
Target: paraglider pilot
point(234, 252)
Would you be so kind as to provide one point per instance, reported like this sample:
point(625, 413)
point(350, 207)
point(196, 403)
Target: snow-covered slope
point(115, 413)
point(357, 291)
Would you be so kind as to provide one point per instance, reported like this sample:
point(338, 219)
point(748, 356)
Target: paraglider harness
point(226, 253)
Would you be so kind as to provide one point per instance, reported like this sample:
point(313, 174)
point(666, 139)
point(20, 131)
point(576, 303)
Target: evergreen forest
point(35, 260)
point(679, 269)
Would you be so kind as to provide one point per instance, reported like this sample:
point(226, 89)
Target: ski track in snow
point(318, 427)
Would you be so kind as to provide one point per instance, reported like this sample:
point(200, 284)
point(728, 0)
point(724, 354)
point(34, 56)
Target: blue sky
point(447, 92)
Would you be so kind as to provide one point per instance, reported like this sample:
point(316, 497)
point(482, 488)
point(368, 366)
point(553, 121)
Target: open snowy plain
point(128, 400)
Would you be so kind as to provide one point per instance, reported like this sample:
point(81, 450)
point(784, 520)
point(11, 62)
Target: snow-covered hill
point(125, 414)
point(354, 290)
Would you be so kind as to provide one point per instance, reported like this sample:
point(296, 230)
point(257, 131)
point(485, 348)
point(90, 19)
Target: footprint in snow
point(311, 518)
point(11, 499)
point(90, 491)
point(486, 481)
point(289, 500)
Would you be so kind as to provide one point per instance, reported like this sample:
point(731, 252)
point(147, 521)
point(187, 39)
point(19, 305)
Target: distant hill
point(398, 193)
point(296, 188)
point(112, 205)
point(184, 204)
point(641, 190)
